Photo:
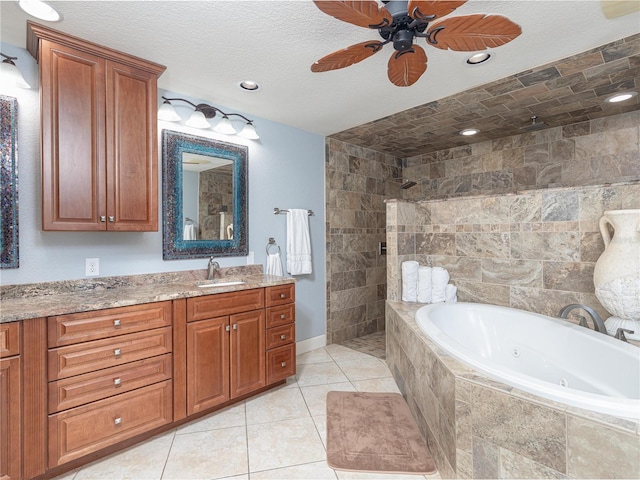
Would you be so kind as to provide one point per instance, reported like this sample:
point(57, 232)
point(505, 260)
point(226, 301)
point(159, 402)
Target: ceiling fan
point(401, 23)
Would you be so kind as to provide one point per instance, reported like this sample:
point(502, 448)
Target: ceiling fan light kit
point(402, 22)
point(201, 115)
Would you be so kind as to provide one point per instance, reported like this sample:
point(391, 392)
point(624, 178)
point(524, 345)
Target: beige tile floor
point(277, 435)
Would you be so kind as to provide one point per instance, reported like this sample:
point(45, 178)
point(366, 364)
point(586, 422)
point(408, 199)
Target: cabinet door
point(132, 170)
point(10, 418)
point(73, 158)
point(247, 352)
point(207, 364)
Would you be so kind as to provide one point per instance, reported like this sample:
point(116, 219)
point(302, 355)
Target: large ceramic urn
point(617, 272)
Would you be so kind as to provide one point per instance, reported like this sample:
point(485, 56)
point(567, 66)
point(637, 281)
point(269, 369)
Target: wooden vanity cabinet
point(280, 332)
point(10, 402)
point(99, 135)
point(109, 378)
point(225, 357)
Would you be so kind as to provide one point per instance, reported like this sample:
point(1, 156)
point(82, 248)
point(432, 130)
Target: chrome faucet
point(212, 268)
point(620, 334)
point(598, 323)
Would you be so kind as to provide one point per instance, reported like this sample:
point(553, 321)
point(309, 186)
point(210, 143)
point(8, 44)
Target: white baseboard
point(309, 344)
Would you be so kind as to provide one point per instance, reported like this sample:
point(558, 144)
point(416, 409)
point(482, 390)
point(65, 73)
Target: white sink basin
point(217, 283)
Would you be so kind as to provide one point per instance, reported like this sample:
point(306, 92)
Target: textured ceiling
point(565, 92)
point(210, 46)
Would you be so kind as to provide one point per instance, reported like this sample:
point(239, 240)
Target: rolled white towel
point(451, 293)
point(424, 285)
point(439, 281)
point(410, 281)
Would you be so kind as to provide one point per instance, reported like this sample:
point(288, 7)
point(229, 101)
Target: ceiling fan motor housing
point(403, 40)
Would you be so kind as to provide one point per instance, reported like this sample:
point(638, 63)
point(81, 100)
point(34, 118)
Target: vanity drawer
point(278, 336)
point(222, 304)
point(82, 430)
point(89, 356)
point(281, 363)
point(9, 339)
point(85, 326)
point(281, 294)
point(281, 315)
point(82, 389)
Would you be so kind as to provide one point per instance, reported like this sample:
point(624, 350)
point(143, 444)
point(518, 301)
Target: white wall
point(286, 170)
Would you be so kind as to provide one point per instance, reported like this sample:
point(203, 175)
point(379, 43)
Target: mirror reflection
point(207, 186)
point(204, 197)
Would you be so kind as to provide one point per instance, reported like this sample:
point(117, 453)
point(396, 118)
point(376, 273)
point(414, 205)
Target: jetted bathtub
point(546, 356)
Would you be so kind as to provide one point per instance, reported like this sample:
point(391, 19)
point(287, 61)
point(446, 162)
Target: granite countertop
point(20, 302)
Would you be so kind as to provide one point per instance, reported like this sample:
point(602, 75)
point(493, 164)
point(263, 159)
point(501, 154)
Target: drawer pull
point(283, 316)
point(116, 323)
point(117, 381)
point(283, 337)
point(283, 295)
point(283, 364)
point(117, 352)
point(117, 421)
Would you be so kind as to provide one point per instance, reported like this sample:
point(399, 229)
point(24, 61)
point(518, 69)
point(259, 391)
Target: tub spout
point(598, 323)
point(620, 334)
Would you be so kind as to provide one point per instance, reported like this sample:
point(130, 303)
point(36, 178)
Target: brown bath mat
point(374, 432)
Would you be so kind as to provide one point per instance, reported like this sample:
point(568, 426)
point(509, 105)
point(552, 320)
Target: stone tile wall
point(357, 182)
point(596, 152)
point(535, 250)
point(478, 428)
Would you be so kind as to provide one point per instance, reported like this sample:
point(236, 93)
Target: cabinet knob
point(235, 326)
point(117, 381)
point(117, 352)
point(283, 364)
point(103, 218)
point(283, 316)
point(116, 323)
point(227, 328)
point(112, 218)
point(282, 337)
point(283, 295)
point(117, 420)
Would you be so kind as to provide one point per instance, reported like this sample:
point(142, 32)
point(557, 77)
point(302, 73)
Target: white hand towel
point(298, 242)
point(424, 284)
point(439, 281)
point(451, 294)
point(274, 265)
point(189, 232)
point(410, 281)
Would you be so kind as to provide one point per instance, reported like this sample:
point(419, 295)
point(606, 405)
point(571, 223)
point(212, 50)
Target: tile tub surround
point(357, 181)
point(479, 428)
point(34, 300)
point(533, 250)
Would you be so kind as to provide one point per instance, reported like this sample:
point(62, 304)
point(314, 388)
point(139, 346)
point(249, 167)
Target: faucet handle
point(620, 334)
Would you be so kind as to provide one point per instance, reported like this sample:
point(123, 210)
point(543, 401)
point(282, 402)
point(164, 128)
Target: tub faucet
point(598, 323)
point(620, 334)
point(212, 268)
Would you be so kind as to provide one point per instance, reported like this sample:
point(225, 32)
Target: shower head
point(534, 125)
point(407, 184)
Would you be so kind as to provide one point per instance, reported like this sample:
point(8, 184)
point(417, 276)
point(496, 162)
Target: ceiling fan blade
point(618, 8)
point(347, 56)
point(422, 8)
point(473, 32)
point(366, 13)
point(405, 68)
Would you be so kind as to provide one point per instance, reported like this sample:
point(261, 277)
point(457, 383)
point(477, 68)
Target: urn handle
point(604, 231)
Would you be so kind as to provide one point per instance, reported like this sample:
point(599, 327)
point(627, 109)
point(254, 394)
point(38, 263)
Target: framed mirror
point(9, 182)
point(204, 206)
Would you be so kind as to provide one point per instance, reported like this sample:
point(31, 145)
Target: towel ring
point(272, 243)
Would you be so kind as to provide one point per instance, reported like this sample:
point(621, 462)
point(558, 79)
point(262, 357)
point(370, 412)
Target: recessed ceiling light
point(39, 9)
point(478, 58)
point(249, 85)
point(467, 132)
point(621, 97)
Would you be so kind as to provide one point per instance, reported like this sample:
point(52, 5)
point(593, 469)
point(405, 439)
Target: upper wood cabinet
point(99, 135)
